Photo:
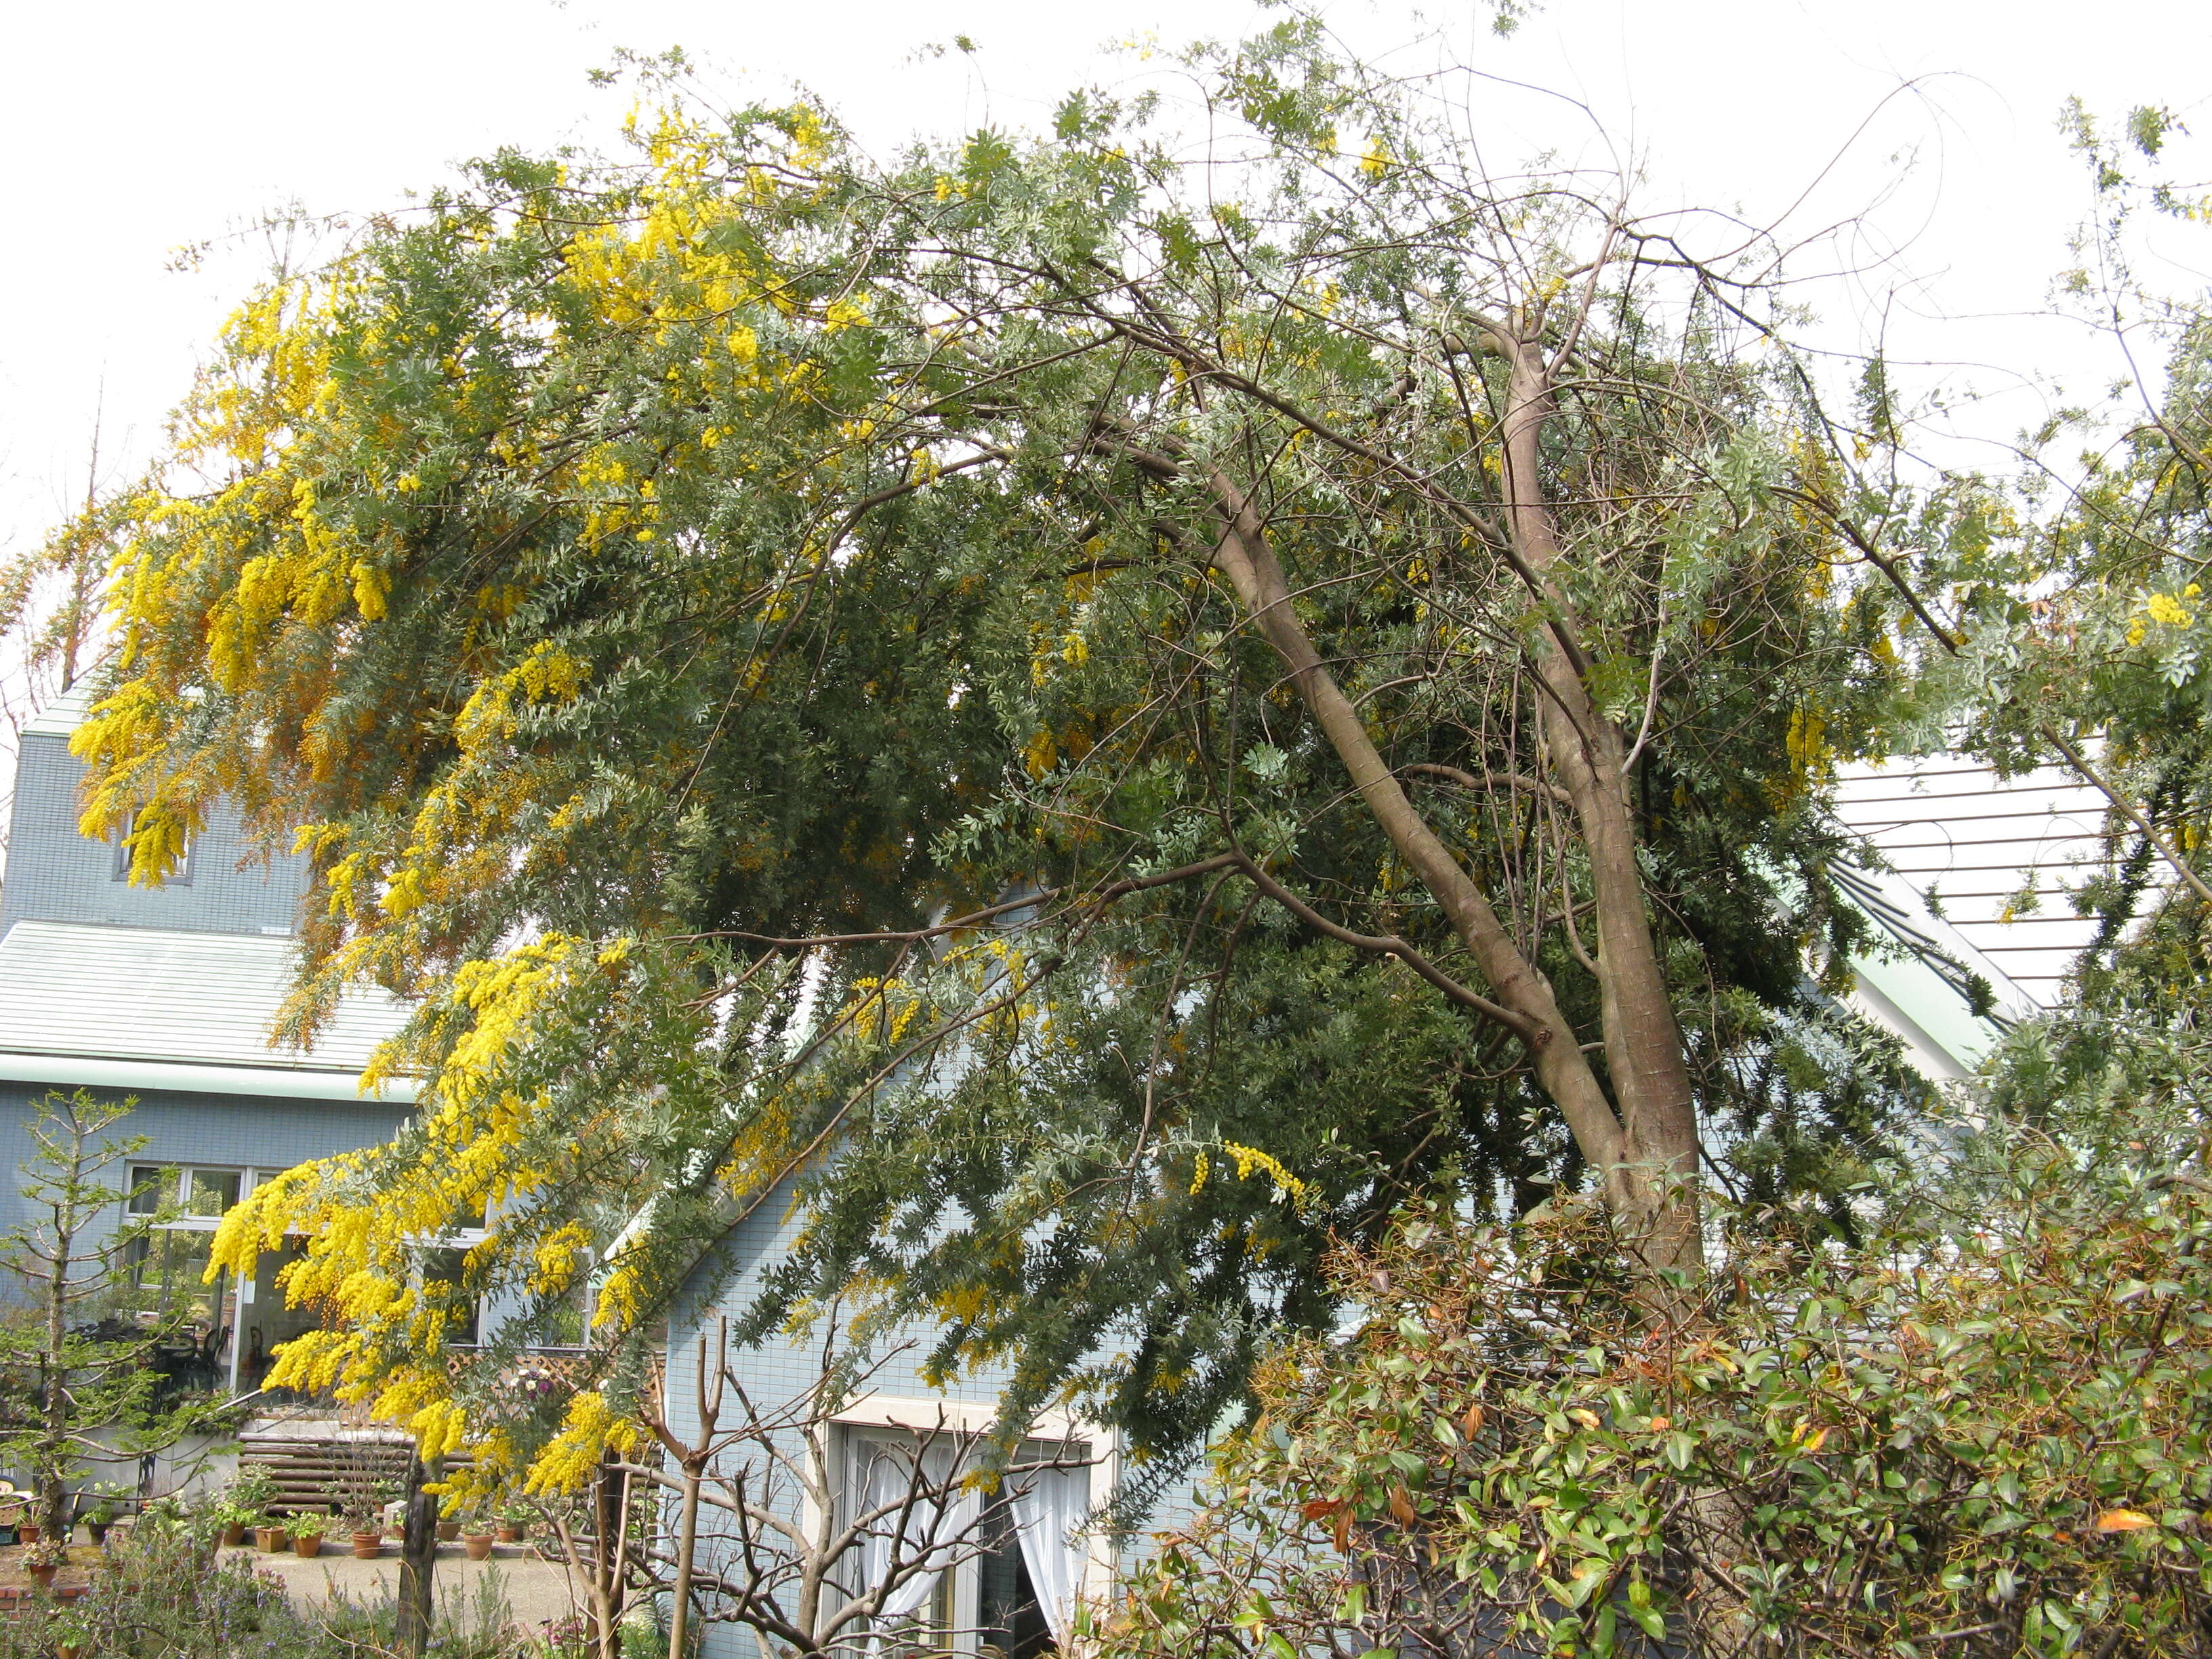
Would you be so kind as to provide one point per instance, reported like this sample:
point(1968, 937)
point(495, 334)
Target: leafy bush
point(161, 1594)
point(164, 1593)
point(1983, 1433)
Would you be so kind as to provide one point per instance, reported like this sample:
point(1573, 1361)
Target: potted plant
point(72, 1634)
point(271, 1534)
point(476, 1538)
point(44, 1560)
point(358, 1493)
point(231, 1523)
point(364, 1519)
point(306, 1529)
point(98, 1519)
point(515, 1517)
point(449, 1531)
point(244, 1505)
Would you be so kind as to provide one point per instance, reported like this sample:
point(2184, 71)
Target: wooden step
point(308, 1472)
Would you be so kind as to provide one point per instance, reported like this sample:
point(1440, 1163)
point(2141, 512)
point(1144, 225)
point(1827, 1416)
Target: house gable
point(55, 874)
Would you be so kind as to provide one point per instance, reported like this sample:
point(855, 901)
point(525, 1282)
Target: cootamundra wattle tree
point(1102, 711)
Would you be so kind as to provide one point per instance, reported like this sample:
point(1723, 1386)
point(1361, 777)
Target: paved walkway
point(535, 1591)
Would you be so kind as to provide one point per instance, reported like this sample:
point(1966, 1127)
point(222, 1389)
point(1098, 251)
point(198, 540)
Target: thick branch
point(1243, 557)
point(1469, 781)
point(1390, 944)
point(1103, 895)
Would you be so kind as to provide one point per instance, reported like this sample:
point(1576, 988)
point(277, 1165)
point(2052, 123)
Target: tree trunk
point(687, 1539)
point(610, 1506)
point(1645, 1147)
point(418, 1558)
point(1658, 1168)
point(54, 1435)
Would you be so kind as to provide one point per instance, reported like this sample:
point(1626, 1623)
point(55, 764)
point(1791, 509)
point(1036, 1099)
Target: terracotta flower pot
point(367, 1546)
point(448, 1531)
point(478, 1545)
point(28, 1532)
point(271, 1540)
point(509, 1533)
point(309, 1547)
point(234, 1535)
point(43, 1575)
point(67, 1651)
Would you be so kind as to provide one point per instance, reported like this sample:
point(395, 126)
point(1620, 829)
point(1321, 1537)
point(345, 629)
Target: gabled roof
point(150, 1008)
point(1977, 844)
point(63, 715)
point(1978, 878)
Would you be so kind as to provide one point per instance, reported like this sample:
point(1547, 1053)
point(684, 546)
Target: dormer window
point(179, 871)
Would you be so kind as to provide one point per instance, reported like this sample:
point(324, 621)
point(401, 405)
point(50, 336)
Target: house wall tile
point(55, 874)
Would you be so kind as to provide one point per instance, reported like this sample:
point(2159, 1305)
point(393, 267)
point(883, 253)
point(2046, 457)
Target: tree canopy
point(1104, 710)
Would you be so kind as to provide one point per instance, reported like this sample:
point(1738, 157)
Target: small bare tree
point(772, 1529)
point(75, 1375)
point(590, 1536)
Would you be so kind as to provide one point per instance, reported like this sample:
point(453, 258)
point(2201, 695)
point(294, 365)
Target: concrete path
point(536, 1591)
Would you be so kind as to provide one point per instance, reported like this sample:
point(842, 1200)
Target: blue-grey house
point(167, 995)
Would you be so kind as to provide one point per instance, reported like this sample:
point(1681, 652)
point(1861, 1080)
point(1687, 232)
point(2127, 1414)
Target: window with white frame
point(178, 873)
point(181, 1205)
point(992, 1575)
point(447, 1265)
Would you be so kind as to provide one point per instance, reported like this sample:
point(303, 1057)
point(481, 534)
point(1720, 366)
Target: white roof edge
point(103, 1071)
point(63, 715)
point(1929, 1055)
point(2011, 1002)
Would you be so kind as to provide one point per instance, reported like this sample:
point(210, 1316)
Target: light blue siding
point(781, 1369)
point(55, 874)
point(234, 1131)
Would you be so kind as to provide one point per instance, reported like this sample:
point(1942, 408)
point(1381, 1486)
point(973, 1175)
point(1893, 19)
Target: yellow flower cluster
point(1250, 1158)
point(2165, 609)
point(314, 533)
point(384, 1329)
point(590, 1428)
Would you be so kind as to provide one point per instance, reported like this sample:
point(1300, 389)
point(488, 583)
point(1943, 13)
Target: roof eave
point(112, 1071)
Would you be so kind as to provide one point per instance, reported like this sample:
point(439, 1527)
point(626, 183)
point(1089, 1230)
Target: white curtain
point(935, 1526)
point(1049, 1505)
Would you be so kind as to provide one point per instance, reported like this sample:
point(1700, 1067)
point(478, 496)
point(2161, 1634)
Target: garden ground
point(536, 1590)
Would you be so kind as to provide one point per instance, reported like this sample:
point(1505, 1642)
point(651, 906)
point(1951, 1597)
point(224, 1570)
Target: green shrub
point(163, 1593)
point(1978, 1435)
point(160, 1593)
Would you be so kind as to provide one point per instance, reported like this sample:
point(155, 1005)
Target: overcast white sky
point(133, 128)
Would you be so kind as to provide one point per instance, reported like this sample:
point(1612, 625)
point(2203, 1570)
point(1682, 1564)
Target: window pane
point(169, 1273)
point(152, 1186)
point(880, 1476)
point(180, 868)
point(1013, 1621)
point(444, 1267)
point(213, 1192)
